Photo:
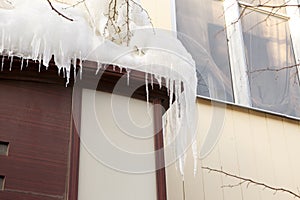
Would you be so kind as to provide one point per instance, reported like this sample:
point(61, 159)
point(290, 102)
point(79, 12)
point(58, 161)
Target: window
point(203, 26)
point(3, 148)
point(269, 50)
point(2, 181)
point(253, 43)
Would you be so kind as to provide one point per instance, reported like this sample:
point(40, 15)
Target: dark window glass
point(2, 178)
point(3, 148)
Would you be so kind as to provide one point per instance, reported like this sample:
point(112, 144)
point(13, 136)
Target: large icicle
point(31, 30)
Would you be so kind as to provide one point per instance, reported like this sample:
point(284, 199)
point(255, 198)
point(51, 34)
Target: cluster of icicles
point(31, 30)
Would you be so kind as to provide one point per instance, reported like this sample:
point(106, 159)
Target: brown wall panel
point(8, 195)
point(35, 120)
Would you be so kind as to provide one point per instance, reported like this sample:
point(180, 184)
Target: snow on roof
point(30, 29)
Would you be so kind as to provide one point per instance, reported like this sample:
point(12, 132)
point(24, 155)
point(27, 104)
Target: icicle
point(195, 156)
point(167, 85)
point(74, 67)
point(2, 42)
point(64, 72)
point(80, 65)
point(178, 97)
point(11, 62)
point(36, 42)
point(68, 68)
point(68, 72)
point(152, 81)
point(114, 67)
point(98, 67)
point(58, 70)
point(22, 60)
point(9, 44)
point(147, 89)
point(27, 62)
point(158, 78)
point(128, 76)
point(2, 63)
point(40, 62)
point(171, 88)
point(20, 43)
point(46, 54)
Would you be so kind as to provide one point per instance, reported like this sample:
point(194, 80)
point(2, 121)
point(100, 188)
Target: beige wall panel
point(253, 145)
point(193, 184)
point(263, 156)
point(245, 150)
point(194, 187)
point(209, 184)
point(174, 183)
point(205, 112)
point(229, 157)
point(292, 139)
point(212, 181)
point(97, 181)
point(282, 169)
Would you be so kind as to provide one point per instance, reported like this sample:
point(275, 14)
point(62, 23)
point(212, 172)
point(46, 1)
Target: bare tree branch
point(59, 13)
point(275, 70)
point(249, 181)
point(111, 19)
point(121, 32)
point(272, 6)
point(143, 10)
point(128, 34)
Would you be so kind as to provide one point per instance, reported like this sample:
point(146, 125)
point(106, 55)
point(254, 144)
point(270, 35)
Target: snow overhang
point(31, 30)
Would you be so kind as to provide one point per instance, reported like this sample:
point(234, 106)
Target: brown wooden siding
point(35, 120)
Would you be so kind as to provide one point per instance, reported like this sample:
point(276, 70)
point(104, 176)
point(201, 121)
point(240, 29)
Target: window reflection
point(205, 25)
point(269, 52)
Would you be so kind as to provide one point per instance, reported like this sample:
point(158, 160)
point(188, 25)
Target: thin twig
point(143, 10)
point(122, 33)
point(111, 19)
point(274, 10)
point(250, 181)
point(128, 34)
point(275, 70)
point(74, 5)
point(234, 185)
point(273, 6)
point(59, 13)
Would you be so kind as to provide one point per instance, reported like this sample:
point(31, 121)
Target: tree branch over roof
point(59, 13)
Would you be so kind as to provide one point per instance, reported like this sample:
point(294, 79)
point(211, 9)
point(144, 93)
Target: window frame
point(294, 14)
point(237, 52)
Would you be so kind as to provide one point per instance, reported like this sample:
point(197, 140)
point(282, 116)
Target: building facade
point(247, 122)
